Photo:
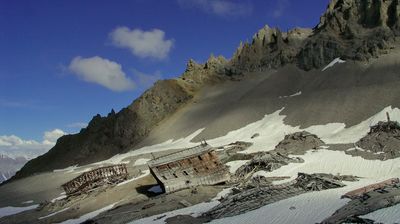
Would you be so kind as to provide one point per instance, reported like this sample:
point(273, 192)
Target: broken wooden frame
point(95, 178)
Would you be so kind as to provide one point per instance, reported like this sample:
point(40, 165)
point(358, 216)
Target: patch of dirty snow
point(155, 189)
point(294, 94)
point(385, 215)
point(234, 165)
point(335, 133)
point(271, 129)
point(89, 215)
point(62, 196)
point(222, 194)
point(141, 161)
point(54, 213)
point(332, 63)
point(9, 210)
point(327, 201)
point(27, 202)
point(145, 173)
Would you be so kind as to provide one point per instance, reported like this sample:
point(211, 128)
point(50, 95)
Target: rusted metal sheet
point(95, 178)
point(195, 166)
point(360, 191)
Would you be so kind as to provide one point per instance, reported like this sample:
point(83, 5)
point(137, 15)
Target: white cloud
point(101, 71)
point(146, 80)
point(144, 44)
point(224, 8)
point(14, 146)
point(50, 137)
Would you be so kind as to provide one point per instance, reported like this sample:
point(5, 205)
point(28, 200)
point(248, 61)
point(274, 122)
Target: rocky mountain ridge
point(350, 29)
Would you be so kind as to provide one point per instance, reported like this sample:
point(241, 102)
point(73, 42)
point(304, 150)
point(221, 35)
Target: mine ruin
point(190, 167)
point(92, 179)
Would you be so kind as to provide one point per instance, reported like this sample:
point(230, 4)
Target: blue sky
point(62, 62)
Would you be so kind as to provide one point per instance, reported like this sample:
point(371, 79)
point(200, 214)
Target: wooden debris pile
point(94, 178)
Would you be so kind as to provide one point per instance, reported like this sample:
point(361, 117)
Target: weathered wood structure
point(195, 166)
point(95, 178)
point(361, 191)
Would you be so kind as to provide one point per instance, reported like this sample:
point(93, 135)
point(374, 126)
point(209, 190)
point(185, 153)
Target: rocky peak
point(192, 65)
point(344, 15)
point(351, 29)
point(215, 63)
point(270, 48)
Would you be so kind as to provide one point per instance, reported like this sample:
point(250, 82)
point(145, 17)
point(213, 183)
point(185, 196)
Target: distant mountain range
point(9, 166)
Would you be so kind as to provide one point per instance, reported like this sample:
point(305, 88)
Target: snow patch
point(54, 213)
point(27, 202)
point(9, 210)
point(335, 61)
point(385, 215)
point(141, 161)
point(62, 196)
point(234, 165)
point(88, 215)
point(295, 94)
point(335, 133)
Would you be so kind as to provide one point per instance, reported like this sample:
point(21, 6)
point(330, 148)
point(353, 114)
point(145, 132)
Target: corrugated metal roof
point(186, 153)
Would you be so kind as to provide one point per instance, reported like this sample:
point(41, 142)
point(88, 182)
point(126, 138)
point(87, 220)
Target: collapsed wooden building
point(95, 178)
point(190, 167)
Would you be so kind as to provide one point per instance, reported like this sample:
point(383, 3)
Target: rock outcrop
point(298, 143)
point(349, 29)
point(382, 140)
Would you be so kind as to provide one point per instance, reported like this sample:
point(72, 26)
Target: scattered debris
point(97, 177)
point(190, 167)
point(366, 200)
point(382, 141)
point(244, 200)
point(266, 161)
point(148, 206)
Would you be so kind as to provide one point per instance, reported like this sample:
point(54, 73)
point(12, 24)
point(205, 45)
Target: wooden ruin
point(361, 191)
point(95, 178)
point(190, 167)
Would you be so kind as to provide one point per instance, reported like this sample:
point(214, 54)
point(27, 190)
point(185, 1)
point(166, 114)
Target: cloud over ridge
point(101, 71)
